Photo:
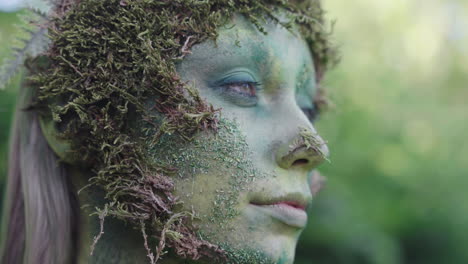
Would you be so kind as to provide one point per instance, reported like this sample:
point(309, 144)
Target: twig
point(185, 49)
point(102, 216)
point(145, 238)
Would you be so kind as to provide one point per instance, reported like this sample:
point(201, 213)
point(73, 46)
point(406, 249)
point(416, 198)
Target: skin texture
point(256, 156)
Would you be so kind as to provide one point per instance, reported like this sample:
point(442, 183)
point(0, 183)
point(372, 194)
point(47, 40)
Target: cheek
point(212, 172)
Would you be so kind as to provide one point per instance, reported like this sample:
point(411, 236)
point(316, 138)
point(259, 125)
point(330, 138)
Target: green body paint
point(225, 151)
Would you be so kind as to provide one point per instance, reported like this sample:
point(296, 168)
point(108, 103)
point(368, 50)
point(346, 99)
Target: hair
point(40, 209)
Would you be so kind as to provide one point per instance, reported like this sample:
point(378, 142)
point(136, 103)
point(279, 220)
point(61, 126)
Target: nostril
point(300, 162)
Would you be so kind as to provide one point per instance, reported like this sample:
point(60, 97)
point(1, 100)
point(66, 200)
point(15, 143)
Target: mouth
point(290, 209)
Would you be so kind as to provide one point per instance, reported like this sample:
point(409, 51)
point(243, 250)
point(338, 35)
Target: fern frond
point(36, 43)
point(40, 13)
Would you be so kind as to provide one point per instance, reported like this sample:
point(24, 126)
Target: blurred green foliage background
point(397, 181)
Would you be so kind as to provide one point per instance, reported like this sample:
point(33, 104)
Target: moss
point(106, 59)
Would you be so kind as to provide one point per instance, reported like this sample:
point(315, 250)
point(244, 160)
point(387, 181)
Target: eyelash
point(312, 113)
point(254, 87)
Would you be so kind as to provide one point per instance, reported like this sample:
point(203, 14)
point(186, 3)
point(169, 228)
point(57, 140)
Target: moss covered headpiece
point(107, 57)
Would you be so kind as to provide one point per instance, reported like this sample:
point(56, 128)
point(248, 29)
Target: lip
point(289, 209)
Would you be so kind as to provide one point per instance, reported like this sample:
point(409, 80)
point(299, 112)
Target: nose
point(306, 150)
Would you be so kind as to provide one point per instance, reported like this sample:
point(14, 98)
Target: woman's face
point(247, 185)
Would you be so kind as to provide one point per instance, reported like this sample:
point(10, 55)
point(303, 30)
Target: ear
point(61, 147)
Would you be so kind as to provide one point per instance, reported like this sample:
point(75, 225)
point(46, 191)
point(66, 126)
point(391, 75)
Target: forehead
point(241, 44)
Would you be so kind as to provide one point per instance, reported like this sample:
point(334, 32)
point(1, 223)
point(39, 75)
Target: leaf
point(36, 44)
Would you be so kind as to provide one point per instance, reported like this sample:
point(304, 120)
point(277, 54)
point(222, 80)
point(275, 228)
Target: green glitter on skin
point(247, 256)
point(227, 152)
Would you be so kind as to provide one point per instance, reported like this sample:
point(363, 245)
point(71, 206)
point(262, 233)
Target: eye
point(312, 113)
point(240, 88)
point(241, 93)
point(306, 103)
point(243, 88)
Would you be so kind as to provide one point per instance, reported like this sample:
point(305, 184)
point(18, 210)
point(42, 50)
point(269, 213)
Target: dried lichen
point(309, 141)
point(109, 57)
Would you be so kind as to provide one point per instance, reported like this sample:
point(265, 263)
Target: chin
point(279, 249)
point(254, 237)
point(262, 248)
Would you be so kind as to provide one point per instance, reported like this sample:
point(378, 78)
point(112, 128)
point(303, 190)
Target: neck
point(119, 243)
